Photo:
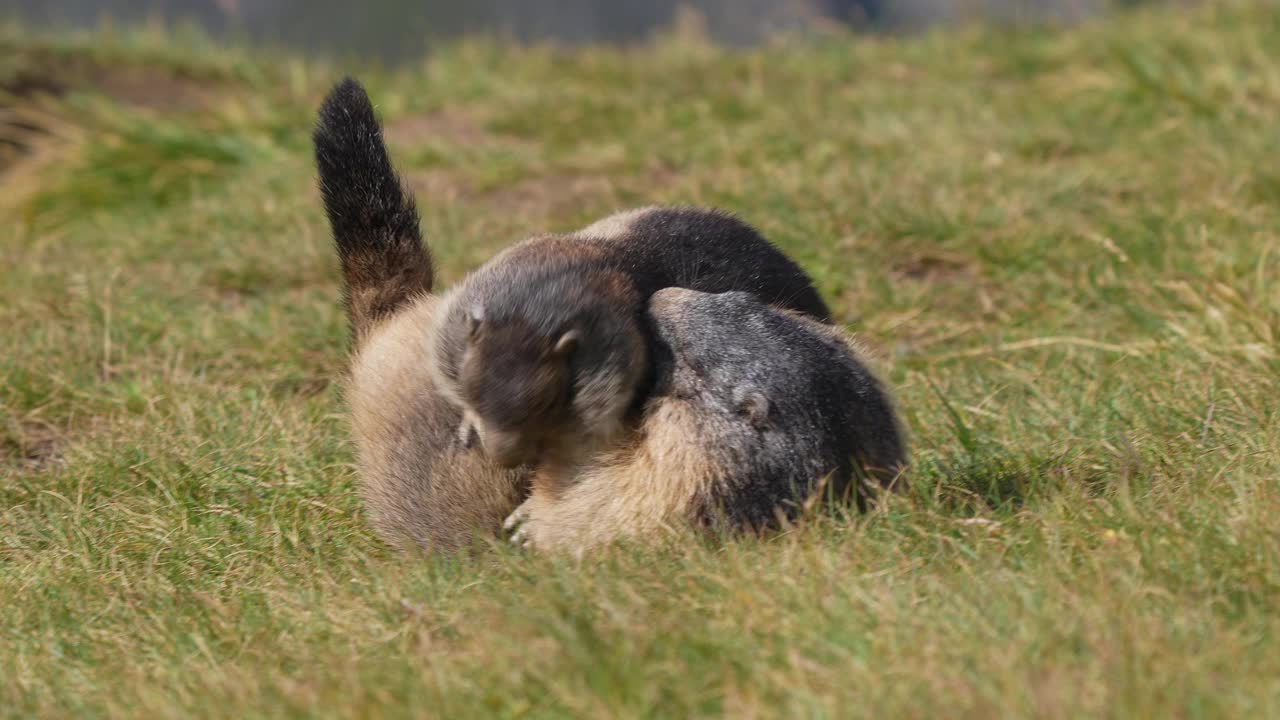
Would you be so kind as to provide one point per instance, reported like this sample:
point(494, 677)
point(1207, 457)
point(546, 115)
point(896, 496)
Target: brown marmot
point(546, 346)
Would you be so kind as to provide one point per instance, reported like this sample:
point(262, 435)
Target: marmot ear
point(475, 322)
point(467, 434)
point(752, 405)
point(567, 343)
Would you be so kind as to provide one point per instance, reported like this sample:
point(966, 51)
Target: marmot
point(756, 412)
point(421, 487)
point(546, 346)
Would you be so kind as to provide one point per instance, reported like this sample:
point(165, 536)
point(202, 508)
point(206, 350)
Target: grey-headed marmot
point(756, 412)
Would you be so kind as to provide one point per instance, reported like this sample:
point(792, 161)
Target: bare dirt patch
point(930, 267)
point(29, 113)
point(158, 91)
point(440, 185)
point(145, 86)
point(454, 127)
point(551, 195)
point(542, 197)
point(31, 445)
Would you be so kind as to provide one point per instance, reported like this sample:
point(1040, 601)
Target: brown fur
point(373, 296)
point(530, 395)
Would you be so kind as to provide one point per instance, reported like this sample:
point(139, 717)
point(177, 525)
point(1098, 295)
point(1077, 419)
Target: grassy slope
point(1069, 236)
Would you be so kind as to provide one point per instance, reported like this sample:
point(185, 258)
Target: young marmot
point(546, 346)
point(421, 487)
point(756, 411)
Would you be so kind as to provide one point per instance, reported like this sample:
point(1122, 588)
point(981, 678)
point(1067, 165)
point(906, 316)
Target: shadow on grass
point(996, 479)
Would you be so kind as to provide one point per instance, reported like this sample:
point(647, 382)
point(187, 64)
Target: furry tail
point(374, 222)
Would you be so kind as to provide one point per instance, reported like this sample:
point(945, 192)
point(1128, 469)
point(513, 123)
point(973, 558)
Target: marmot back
point(756, 412)
point(702, 249)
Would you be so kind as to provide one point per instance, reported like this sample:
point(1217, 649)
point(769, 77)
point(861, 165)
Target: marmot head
point(757, 375)
point(735, 352)
point(517, 384)
point(774, 396)
point(779, 398)
point(547, 367)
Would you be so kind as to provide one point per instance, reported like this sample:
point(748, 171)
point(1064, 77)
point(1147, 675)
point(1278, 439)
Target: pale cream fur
point(617, 225)
point(420, 487)
point(650, 487)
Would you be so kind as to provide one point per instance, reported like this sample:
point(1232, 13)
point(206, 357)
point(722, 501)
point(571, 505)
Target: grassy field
point(1063, 244)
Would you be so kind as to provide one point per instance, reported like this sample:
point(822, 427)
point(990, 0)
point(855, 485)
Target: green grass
point(1065, 245)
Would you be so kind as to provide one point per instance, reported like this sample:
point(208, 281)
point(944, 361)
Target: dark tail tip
point(348, 94)
point(347, 124)
point(357, 180)
point(374, 222)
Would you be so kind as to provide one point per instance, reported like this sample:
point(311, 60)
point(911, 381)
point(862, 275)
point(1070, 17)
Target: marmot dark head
point(543, 365)
point(779, 394)
point(518, 384)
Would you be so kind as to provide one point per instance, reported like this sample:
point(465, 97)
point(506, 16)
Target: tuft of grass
point(1062, 247)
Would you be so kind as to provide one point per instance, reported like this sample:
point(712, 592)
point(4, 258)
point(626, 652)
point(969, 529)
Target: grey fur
point(786, 403)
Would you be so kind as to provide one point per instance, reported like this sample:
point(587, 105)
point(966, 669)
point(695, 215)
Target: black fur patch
point(374, 221)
